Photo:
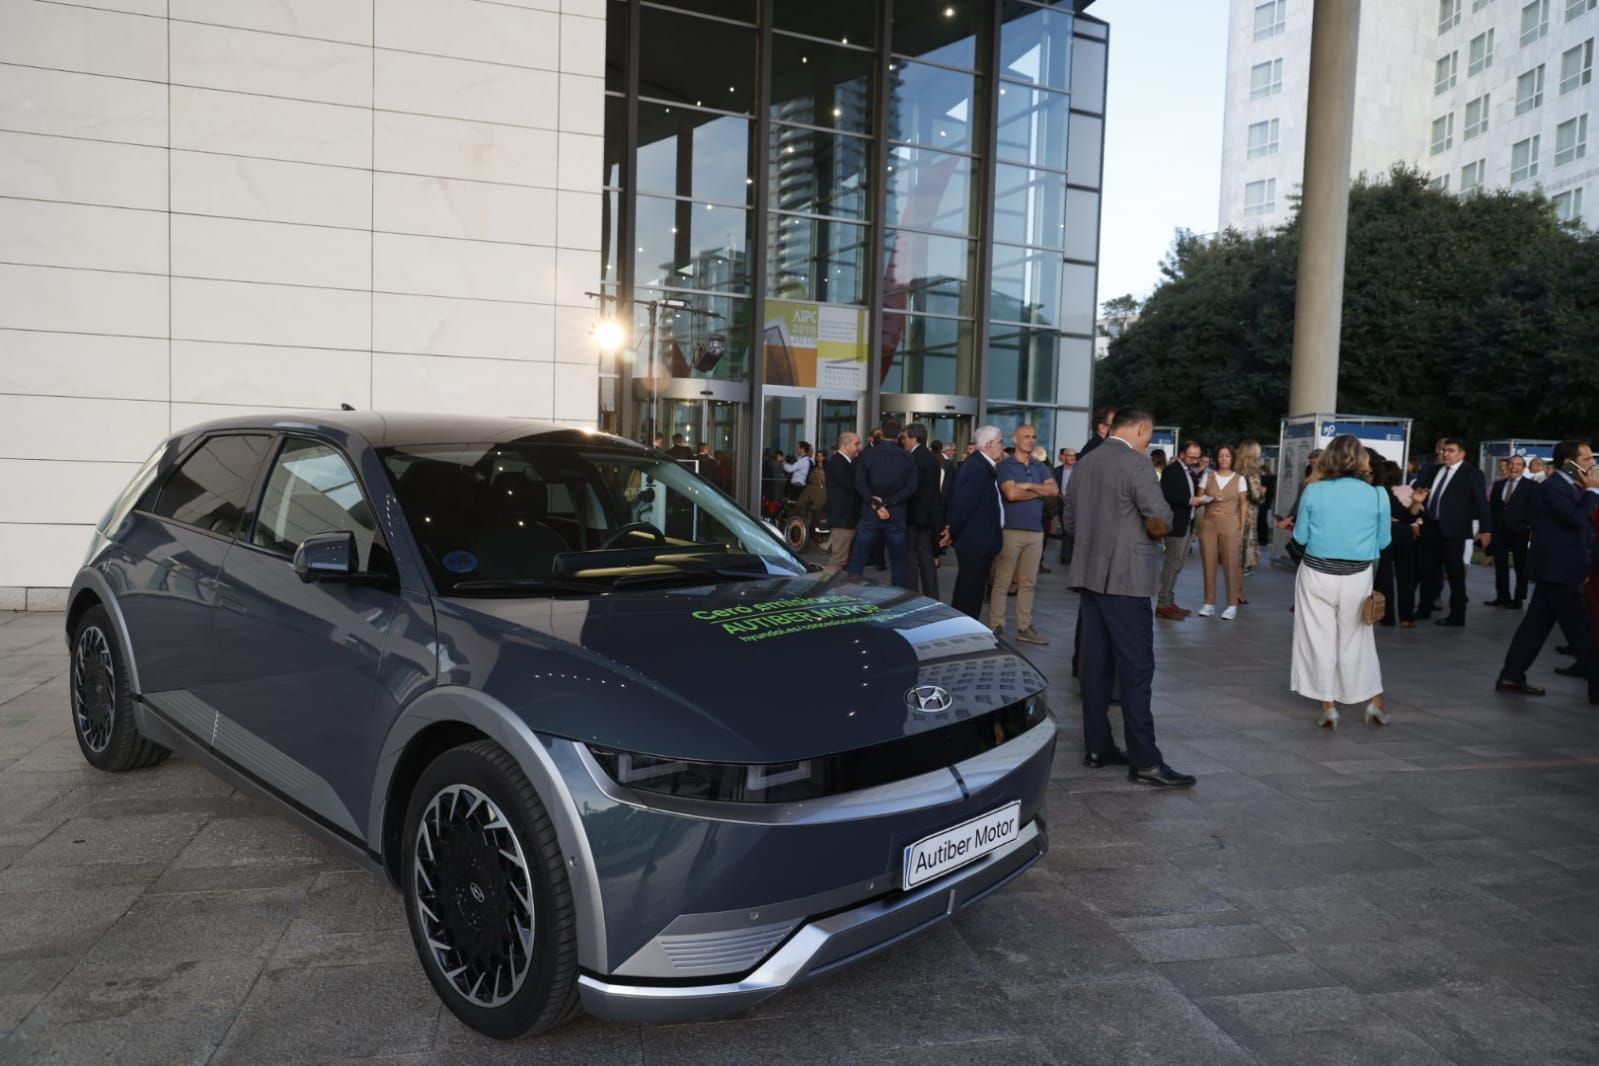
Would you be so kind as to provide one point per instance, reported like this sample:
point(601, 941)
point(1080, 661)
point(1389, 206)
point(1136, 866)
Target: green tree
point(1476, 316)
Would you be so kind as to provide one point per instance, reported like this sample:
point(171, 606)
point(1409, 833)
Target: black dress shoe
point(1519, 687)
point(1574, 670)
point(1496, 603)
point(1114, 757)
point(1449, 622)
point(1161, 776)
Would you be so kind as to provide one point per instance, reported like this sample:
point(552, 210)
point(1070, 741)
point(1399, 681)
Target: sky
point(1163, 113)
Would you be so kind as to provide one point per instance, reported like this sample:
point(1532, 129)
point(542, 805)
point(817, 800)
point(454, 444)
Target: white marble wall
point(209, 207)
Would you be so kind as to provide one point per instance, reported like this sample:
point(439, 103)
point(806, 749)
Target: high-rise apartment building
point(1478, 93)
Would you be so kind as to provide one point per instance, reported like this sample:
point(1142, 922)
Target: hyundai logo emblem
point(477, 893)
point(929, 699)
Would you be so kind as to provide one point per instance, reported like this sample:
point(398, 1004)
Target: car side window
point(210, 489)
point(313, 490)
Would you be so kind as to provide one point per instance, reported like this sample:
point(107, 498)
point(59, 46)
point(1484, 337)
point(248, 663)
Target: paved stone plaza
point(1424, 893)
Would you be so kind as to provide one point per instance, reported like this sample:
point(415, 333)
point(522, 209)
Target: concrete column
point(1324, 208)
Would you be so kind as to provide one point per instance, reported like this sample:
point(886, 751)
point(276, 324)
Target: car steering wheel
point(632, 527)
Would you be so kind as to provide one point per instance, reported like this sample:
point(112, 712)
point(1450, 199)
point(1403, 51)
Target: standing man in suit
point(1562, 523)
point(1510, 504)
point(885, 479)
point(1103, 417)
point(1456, 497)
point(924, 518)
point(1180, 488)
point(843, 502)
point(1115, 508)
point(1063, 477)
point(976, 520)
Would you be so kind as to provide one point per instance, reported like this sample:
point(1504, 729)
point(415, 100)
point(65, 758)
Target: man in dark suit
point(885, 478)
point(1561, 521)
point(1115, 508)
point(1063, 477)
point(1456, 497)
point(843, 502)
point(924, 517)
point(1510, 503)
point(976, 520)
point(1180, 486)
point(1103, 417)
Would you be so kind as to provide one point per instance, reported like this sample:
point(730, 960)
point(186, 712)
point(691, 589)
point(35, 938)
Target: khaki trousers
point(1019, 557)
point(1223, 545)
point(838, 550)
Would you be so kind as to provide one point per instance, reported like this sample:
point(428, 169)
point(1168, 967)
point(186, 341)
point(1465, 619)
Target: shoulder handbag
point(1376, 604)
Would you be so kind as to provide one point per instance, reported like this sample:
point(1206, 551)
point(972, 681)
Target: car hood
point(764, 671)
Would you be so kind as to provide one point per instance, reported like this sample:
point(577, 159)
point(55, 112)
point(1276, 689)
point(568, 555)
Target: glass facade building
point(820, 212)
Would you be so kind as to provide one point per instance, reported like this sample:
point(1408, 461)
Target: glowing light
point(609, 335)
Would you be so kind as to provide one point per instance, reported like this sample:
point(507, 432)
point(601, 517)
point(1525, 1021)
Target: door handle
point(232, 604)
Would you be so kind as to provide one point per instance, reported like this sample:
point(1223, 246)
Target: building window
point(1529, 90)
point(1534, 21)
point(1575, 8)
point(1576, 67)
point(1266, 79)
point(1448, 15)
point(1571, 140)
point(1524, 159)
point(1476, 117)
point(1568, 205)
point(1440, 183)
point(1271, 18)
point(1482, 53)
point(1478, 5)
point(1260, 198)
point(1471, 175)
point(1443, 78)
point(1262, 139)
point(1443, 133)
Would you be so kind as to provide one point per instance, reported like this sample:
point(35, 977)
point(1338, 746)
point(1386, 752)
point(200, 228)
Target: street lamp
point(609, 335)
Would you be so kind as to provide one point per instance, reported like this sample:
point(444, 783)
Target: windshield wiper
point(692, 577)
point(529, 585)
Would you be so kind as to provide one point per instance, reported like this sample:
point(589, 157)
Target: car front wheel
point(487, 897)
point(102, 703)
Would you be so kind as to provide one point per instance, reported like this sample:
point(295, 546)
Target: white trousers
point(1335, 653)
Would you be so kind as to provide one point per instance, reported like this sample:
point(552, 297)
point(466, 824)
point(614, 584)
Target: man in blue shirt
point(1025, 484)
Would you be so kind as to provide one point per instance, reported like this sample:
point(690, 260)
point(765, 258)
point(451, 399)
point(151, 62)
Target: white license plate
point(958, 845)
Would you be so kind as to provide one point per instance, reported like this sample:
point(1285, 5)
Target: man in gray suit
point(1117, 514)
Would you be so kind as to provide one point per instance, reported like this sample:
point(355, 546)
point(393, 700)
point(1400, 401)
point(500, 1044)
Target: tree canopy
point(1477, 316)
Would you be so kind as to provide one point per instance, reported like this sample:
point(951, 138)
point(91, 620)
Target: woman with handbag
point(1343, 525)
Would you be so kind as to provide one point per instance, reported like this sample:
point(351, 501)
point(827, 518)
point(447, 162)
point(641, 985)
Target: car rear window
point(211, 488)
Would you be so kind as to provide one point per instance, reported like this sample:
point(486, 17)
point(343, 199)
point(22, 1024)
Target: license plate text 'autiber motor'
point(933, 856)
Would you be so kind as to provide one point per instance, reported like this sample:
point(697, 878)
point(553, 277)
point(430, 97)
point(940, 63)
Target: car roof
point(384, 429)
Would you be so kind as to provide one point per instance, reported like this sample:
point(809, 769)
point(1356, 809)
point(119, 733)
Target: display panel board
point(1302, 434)
point(1492, 451)
point(1165, 438)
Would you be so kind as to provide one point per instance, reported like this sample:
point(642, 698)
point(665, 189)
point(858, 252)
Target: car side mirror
point(327, 557)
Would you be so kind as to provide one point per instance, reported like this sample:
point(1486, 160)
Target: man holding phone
point(1562, 517)
point(1455, 498)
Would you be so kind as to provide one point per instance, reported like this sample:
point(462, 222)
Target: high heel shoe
point(1329, 718)
point(1376, 715)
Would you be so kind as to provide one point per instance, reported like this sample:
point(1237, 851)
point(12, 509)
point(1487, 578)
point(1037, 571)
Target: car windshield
point(529, 518)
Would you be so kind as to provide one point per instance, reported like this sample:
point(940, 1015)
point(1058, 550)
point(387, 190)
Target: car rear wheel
point(487, 897)
point(795, 533)
point(102, 705)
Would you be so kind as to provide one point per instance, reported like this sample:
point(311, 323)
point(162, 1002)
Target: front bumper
point(821, 945)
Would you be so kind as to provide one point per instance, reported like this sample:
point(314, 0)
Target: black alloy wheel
point(102, 704)
point(486, 894)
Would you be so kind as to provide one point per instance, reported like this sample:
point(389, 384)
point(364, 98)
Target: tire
point(470, 809)
point(794, 532)
point(101, 702)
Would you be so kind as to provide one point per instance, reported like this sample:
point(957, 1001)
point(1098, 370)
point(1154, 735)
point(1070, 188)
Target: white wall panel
point(76, 364)
point(85, 172)
point(581, 161)
point(131, 7)
point(452, 148)
point(583, 45)
point(460, 88)
point(462, 386)
point(82, 39)
point(577, 273)
point(574, 336)
point(253, 313)
point(332, 20)
point(466, 29)
point(442, 207)
point(216, 57)
point(51, 427)
point(577, 393)
point(82, 105)
point(36, 490)
point(475, 328)
point(74, 235)
point(578, 220)
point(240, 124)
point(436, 266)
point(82, 301)
point(42, 555)
point(271, 251)
point(582, 104)
point(271, 190)
point(185, 415)
point(277, 377)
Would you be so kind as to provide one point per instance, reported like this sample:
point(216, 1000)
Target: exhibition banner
point(815, 345)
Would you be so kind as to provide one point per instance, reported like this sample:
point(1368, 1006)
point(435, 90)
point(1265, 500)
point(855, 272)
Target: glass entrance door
point(941, 426)
point(795, 415)
point(712, 422)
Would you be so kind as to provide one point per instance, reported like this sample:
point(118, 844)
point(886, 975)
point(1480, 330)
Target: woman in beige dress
point(1254, 496)
point(1221, 531)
